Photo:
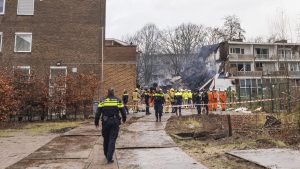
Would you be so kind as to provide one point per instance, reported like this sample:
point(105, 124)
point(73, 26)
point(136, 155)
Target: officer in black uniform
point(159, 100)
point(109, 110)
point(178, 102)
point(147, 100)
point(205, 100)
point(125, 100)
point(197, 101)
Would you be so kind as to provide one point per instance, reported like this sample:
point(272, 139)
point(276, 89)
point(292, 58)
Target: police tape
point(212, 103)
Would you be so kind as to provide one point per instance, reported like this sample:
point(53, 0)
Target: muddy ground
point(205, 138)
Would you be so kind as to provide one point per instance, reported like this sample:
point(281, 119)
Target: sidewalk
point(143, 144)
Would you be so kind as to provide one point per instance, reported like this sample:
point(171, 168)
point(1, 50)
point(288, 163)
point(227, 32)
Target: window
point(285, 53)
point(259, 65)
point(2, 7)
point(262, 52)
point(242, 67)
point(250, 85)
point(23, 42)
point(237, 50)
point(57, 80)
point(1, 35)
point(247, 67)
point(22, 73)
point(25, 7)
point(293, 67)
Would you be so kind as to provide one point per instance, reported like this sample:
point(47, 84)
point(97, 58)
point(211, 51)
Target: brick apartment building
point(119, 66)
point(62, 37)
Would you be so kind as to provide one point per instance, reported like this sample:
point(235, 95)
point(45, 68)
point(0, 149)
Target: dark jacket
point(196, 98)
point(205, 97)
point(178, 98)
point(159, 99)
point(147, 97)
point(110, 108)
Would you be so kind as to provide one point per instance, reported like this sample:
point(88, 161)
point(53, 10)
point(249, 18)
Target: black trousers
point(147, 107)
point(177, 108)
point(198, 109)
point(158, 111)
point(126, 108)
point(110, 131)
point(173, 108)
point(206, 106)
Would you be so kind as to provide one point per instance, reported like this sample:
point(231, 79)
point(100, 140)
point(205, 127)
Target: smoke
point(198, 72)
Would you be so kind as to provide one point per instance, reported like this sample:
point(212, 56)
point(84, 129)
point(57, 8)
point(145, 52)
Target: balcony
point(265, 57)
point(275, 73)
point(289, 57)
point(294, 74)
point(250, 74)
point(236, 57)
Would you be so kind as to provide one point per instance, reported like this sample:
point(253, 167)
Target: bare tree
point(181, 42)
point(147, 40)
point(214, 35)
point(232, 28)
point(280, 27)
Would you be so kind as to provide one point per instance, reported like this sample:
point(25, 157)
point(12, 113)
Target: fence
point(272, 97)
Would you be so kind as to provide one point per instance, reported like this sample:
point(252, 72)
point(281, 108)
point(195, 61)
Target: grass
point(39, 128)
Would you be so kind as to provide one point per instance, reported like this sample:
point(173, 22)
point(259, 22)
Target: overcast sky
point(127, 16)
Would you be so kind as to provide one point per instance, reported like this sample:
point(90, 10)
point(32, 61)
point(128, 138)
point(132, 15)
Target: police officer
point(125, 100)
point(197, 101)
point(147, 101)
point(159, 100)
point(178, 102)
point(109, 110)
point(205, 100)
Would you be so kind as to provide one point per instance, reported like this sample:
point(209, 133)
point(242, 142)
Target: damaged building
point(256, 66)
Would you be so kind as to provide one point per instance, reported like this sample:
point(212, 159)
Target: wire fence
point(282, 97)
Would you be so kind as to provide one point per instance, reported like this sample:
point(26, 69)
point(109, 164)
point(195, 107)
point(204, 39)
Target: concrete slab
point(14, 149)
point(147, 126)
point(145, 139)
point(152, 118)
point(271, 158)
point(89, 130)
point(162, 158)
point(66, 148)
point(97, 159)
point(50, 164)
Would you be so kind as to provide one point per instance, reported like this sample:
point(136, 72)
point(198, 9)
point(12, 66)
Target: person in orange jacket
point(223, 100)
point(215, 100)
point(210, 100)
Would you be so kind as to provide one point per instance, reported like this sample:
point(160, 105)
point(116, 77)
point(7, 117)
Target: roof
point(119, 42)
point(254, 43)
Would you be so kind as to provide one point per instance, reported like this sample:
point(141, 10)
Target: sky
point(127, 16)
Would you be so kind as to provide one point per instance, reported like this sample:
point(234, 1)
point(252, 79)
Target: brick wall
point(120, 77)
point(62, 30)
point(120, 69)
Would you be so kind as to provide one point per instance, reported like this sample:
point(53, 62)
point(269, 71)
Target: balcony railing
point(275, 73)
point(240, 57)
point(288, 57)
point(250, 74)
point(294, 73)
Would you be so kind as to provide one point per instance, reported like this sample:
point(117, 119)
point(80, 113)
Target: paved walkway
point(143, 144)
